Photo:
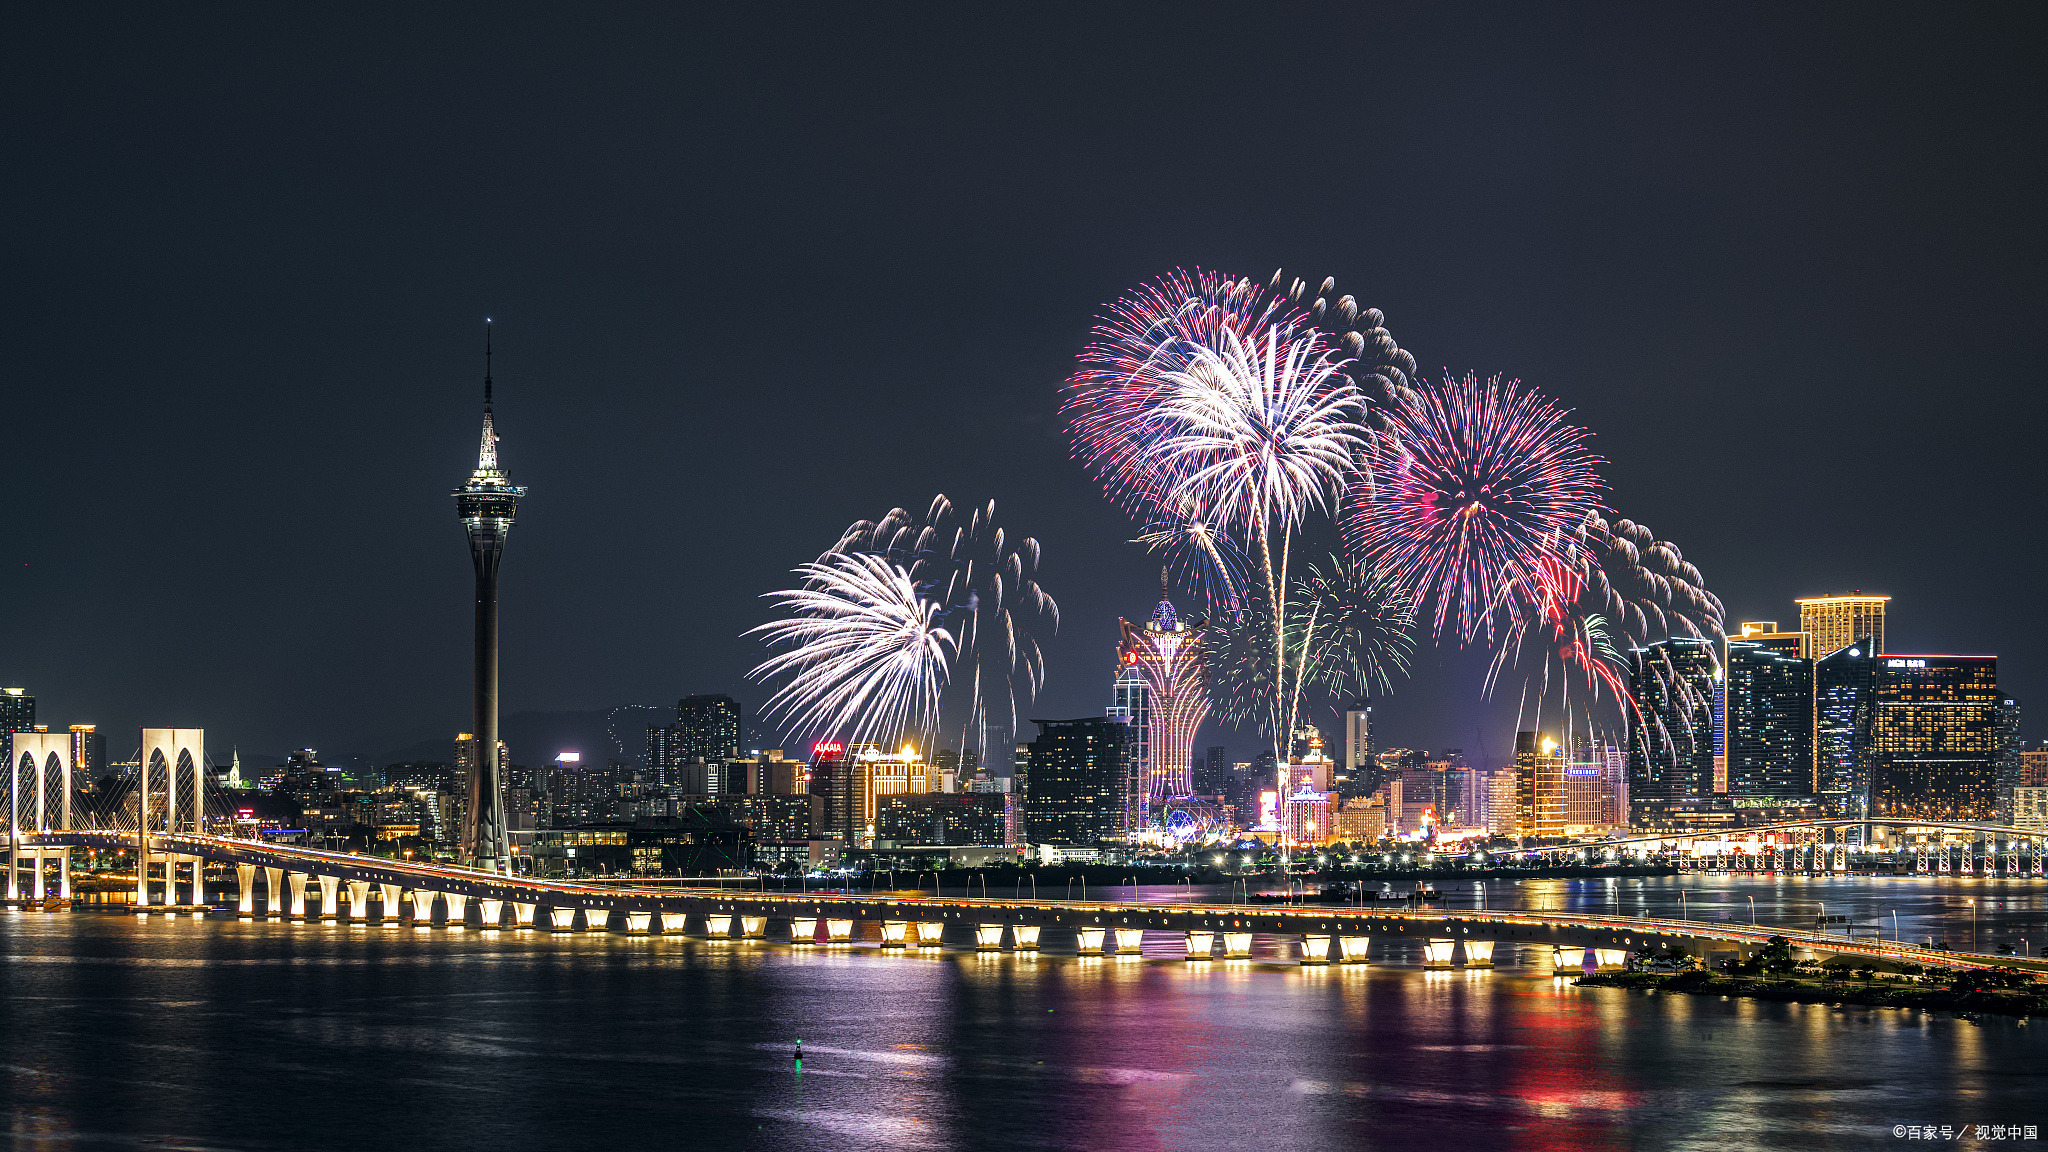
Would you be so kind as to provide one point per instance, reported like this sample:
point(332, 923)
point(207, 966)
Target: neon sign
point(827, 748)
point(1904, 663)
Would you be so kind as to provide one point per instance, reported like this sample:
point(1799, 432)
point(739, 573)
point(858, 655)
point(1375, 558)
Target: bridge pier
point(894, 933)
point(423, 908)
point(1353, 949)
point(561, 919)
point(931, 934)
point(596, 919)
point(1130, 941)
point(838, 931)
point(1201, 945)
point(457, 910)
point(636, 923)
point(1088, 941)
point(1437, 953)
point(753, 927)
point(1237, 945)
point(1024, 937)
point(522, 915)
point(390, 907)
point(1315, 948)
point(1478, 953)
point(359, 901)
point(492, 913)
point(298, 908)
point(988, 937)
point(245, 880)
point(330, 898)
point(718, 927)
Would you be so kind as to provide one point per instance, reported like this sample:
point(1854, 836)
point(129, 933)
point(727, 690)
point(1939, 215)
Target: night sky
point(753, 281)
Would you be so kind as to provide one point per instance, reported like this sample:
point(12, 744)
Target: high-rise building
point(1357, 777)
point(1769, 719)
point(2034, 766)
point(1844, 709)
point(1835, 622)
point(1764, 633)
point(17, 714)
point(1673, 684)
point(1935, 737)
point(2030, 808)
point(1500, 802)
point(708, 726)
point(1539, 786)
point(486, 505)
point(89, 753)
point(1212, 771)
point(968, 818)
point(1167, 652)
point(831, 779)
point(1075, 769)
point(1131, 706)
point(665, 757)
point(2006, 769)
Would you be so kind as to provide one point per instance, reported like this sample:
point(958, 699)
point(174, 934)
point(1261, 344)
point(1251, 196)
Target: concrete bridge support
point(1237, 945)
point(1353, 949)
point(1478, 953)
point(718, 927)
point(839, 931)
point(1024, 937)
point(931, 934)
point(458, 909)
point(803, 930)
point(1315, 948)
point(596, 919)
point(423, 908)
point(390, 908)
point(359, 901)
point(1437, 953)
point(330, 898)
point(561, 919)
point(245, 880)
point(492, 913)
point(753, 927)
point(1130, 941)
point(273, 892)
point(1201, 945)
point(988, 937)
point(298, 905)
point(522, 915)
point(895, 933)
point(637, 922)
point(1088, 941)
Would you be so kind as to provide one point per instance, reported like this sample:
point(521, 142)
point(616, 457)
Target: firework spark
point(1645, 585)
point(1471, 490)
point(867, 655)
point(986, 586)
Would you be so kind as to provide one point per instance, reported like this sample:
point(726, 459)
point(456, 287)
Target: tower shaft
point(487, 505)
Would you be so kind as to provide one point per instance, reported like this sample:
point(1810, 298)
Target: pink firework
point(1470, 497)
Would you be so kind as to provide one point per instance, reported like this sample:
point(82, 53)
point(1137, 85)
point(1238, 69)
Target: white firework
point(868, 656)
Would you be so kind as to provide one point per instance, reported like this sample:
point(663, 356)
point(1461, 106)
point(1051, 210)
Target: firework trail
point(867, 656)
point(1471, 490)
point(986, 586)
point(1645, 585)
point(1201, 555)
point(1349, 632)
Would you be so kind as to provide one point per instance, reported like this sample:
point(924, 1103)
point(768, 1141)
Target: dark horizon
point(752, 284)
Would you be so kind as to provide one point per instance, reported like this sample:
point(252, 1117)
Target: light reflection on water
point(233, 1035)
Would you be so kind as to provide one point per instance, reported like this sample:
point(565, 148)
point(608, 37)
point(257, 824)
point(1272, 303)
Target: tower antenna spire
point(487, 365)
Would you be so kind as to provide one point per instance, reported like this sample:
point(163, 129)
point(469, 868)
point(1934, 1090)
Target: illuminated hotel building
point(1835, 622)
point(1131, 706)
point(1539, 786)
point(1769, 717)
point(1166, 653)
point(1844, 709)
point(1673, 684)
point(1935, 737)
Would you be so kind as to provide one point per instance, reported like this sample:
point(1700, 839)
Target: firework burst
point(986, 586)
point(1472, 489)
point(867, 654)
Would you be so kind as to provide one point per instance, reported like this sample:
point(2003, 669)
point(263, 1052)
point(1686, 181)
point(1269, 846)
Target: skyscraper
point(1357, 777)
point(487, 504)
point(1213, 771)
point(17, 714)
point(1770, 720)
point(1131, 706)
point(1673, 684)
point(1539, 786)
point(1844, 708)
point(708, 726)
point(2007, 764)
point(1935, 738)
point(1167, 653)
point(89, 753)
point(1835, 622)
point(1074, 769)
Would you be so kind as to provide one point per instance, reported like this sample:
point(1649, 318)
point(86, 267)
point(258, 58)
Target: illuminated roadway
point(598, 903)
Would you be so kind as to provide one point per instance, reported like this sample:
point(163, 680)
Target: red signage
point(826, 748)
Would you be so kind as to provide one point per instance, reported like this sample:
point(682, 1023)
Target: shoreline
point(1698, 983)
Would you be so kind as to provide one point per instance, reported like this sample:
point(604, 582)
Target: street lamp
point(1972, 902)
point(1752, 909)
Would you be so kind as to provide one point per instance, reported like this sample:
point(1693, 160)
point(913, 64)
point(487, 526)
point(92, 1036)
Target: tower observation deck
point(486, 505)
